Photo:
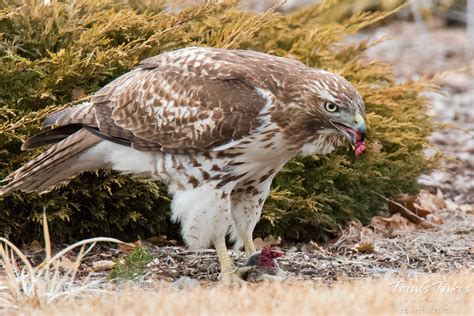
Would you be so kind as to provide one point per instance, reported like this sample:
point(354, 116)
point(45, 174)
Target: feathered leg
point(205, 216)
point(246, 211)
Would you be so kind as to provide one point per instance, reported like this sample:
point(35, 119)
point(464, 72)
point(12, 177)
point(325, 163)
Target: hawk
point(214, 125)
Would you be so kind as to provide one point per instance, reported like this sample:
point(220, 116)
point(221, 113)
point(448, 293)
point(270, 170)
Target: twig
point(405, 212)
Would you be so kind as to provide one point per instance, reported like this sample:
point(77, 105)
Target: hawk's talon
point(242, 270)
point(235, 277)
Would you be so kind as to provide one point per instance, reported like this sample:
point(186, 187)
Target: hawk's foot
point(237, 277)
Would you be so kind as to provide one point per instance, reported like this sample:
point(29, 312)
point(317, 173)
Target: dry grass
point(438, 294)
point(22, 284)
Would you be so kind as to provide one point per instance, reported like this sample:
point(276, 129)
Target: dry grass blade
point(47, 240)
point(48, 281)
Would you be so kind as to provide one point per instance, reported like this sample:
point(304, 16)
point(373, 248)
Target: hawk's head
point(332, 106)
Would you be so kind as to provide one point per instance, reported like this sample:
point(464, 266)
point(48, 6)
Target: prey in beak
point(355, 132)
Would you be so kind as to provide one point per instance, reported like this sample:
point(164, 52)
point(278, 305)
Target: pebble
point(102, 265)
point(185, 283)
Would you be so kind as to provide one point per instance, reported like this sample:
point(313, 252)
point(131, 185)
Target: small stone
point(185, 283)
point(102, 265)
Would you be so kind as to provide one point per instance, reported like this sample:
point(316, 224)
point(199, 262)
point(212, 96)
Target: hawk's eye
point(330, 107)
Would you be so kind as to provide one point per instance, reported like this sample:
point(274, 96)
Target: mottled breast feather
point(191, 99)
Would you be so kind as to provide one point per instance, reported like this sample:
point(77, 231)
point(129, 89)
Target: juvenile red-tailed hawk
point(214, 125)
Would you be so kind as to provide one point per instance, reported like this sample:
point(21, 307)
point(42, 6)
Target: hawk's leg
point(230, 274)
point(225, 261)
point(249, 246)
point(247, 203)
point(205, 216)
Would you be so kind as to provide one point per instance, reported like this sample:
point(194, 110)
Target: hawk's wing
point(179, 103)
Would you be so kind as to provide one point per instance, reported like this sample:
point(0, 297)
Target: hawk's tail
point(58, 163)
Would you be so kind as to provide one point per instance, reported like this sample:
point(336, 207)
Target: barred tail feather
point(58, 163)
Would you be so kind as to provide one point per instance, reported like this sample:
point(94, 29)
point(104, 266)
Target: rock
point(102, 265)
point(185, 283)
point(382, 270)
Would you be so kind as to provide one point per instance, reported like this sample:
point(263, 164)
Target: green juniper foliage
point(56, 55)
point(131, 266)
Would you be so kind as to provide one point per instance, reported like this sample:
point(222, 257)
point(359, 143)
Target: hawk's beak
point(355, 131)
point(360, 128)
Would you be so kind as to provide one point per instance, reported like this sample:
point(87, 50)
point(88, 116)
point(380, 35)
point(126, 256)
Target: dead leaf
point(35, 246)
point(162, 240)
point(434, 219)
point(468, 208)
point(315, 246)
point(451, 205)
point(409, 202)
point(395, 222)
point(66, 263)
point(130, 246)
point(430, 202)
point(267, 242)
point(107, 254)
point(364, 246)
point(407, 206)
point(103, 265)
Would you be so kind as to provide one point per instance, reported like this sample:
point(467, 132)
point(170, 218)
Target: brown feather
point(185, 101)
point(50, 136)
point(83, 114)
point(53, 166)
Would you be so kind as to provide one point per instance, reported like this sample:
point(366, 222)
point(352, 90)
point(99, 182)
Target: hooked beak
point(355, 131)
